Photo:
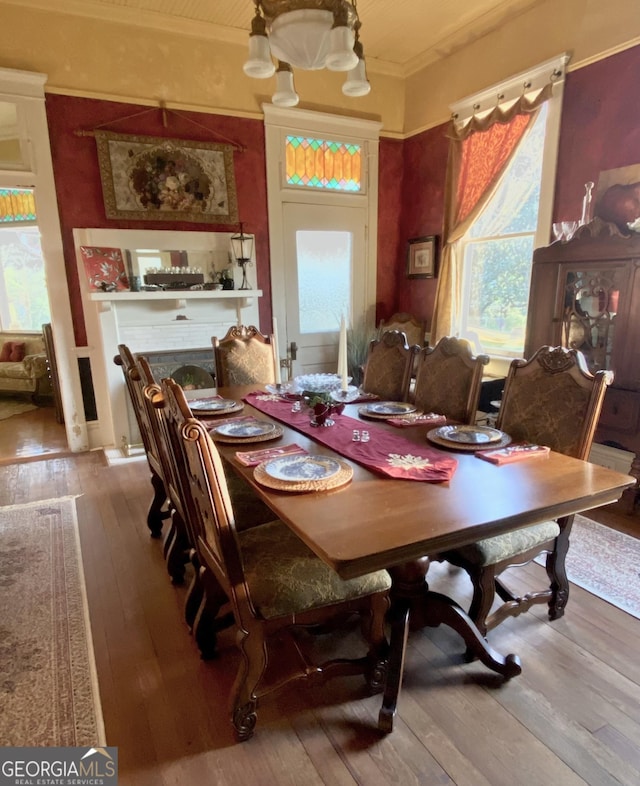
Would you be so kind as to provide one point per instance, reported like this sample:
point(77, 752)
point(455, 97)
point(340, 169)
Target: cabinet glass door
point(590, 309)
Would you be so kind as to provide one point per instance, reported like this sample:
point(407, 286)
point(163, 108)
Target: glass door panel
point(591, 299)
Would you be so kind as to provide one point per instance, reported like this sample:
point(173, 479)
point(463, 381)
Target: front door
point(324, 270)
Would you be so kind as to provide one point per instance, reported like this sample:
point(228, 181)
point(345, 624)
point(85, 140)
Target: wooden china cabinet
point(585, 294)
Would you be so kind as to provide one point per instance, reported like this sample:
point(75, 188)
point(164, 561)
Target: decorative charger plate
point(468, 437)
point(214, 406)
point(256, 431)
point(303, 473)
point(386, 409)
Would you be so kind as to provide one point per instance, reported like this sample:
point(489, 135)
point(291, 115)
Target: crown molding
point(150, 20)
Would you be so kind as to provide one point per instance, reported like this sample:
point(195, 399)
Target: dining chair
point(180, 540)
point(389, 366)
point(158, 512)
point(551, 399)
point(244, 356)
point(414, 329)
point(448, 380)
point(275, 584)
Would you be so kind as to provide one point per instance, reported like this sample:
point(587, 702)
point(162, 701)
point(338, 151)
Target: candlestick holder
point(242, 264)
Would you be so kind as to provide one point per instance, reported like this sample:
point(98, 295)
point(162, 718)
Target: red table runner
point(387, 453)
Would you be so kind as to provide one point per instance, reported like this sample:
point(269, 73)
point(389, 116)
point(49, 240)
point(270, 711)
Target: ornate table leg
point(414, 605)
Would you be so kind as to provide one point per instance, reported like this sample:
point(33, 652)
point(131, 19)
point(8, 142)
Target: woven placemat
point(275, 434)
point(341, 478)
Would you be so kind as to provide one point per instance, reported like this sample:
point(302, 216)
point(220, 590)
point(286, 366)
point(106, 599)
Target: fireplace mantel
point(242, 296)
point(154, 321)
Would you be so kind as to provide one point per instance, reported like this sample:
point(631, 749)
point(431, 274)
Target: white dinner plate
point(211, 404)
point(301, 468)
point(469, 435)
point(388, 409)
point(240, 430)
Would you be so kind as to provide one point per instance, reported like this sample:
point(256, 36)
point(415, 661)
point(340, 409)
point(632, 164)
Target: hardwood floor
point(32, 436)
point(571, 717)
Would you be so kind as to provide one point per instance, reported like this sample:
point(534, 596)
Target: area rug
point(48, 687)
point(605, 562)
point(14, 406)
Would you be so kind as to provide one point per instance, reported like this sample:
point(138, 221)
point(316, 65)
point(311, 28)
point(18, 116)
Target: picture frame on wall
point(422, 257)
point(158, 179)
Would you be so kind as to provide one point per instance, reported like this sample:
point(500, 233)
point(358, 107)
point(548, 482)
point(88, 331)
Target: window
point(497, 253)
point(24, 304)
point(316, 163)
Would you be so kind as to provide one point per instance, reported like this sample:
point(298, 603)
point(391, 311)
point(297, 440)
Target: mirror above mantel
point(166, 257)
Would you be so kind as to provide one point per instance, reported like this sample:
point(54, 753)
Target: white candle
point(342, 356)
point(276, 351)
point(340, 348)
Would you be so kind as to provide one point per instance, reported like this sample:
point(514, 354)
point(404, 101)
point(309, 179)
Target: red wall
point(600, 127)
point(411, 196)
point(425, 168)
point(79, 190)
point(389, 219)
point(600, 130)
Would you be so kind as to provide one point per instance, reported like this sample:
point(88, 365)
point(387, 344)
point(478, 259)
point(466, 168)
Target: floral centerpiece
point(321, 406)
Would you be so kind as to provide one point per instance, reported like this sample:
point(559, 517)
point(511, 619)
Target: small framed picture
point(421, 261)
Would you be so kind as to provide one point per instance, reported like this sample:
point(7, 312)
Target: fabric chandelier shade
point(310, 35)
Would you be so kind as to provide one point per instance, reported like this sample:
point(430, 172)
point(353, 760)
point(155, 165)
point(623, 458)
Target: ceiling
point(399, 36)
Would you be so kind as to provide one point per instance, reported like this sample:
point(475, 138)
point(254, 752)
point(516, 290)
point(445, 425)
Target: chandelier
point(306, 34)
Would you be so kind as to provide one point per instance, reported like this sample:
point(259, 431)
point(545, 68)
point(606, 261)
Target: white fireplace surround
point(147, 321)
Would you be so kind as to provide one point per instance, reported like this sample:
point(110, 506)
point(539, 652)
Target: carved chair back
point(414, 329)
point(552, 399)
point(448, 379)
point(244, 356)
point(389, 366)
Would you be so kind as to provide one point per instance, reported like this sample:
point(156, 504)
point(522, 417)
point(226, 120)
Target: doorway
point(322, 190)
point(25, 162)
point(325, 274)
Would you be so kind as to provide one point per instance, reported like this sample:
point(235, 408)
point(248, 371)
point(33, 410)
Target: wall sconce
point(242, 247)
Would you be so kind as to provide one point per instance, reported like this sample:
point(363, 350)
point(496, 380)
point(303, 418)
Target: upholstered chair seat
point(491, 550)
point(285, 577)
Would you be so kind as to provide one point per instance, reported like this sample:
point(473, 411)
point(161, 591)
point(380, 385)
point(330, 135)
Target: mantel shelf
point(180, 296)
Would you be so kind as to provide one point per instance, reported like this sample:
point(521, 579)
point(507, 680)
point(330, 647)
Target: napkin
point(513, 453)
point(251, 458)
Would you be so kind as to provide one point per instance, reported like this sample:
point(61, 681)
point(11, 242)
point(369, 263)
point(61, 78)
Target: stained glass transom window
point(316, 163)
point(16, 206)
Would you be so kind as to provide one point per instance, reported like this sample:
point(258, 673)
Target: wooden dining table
point(378, 522)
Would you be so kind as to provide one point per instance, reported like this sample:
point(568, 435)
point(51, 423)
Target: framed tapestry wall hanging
point(152, 178)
